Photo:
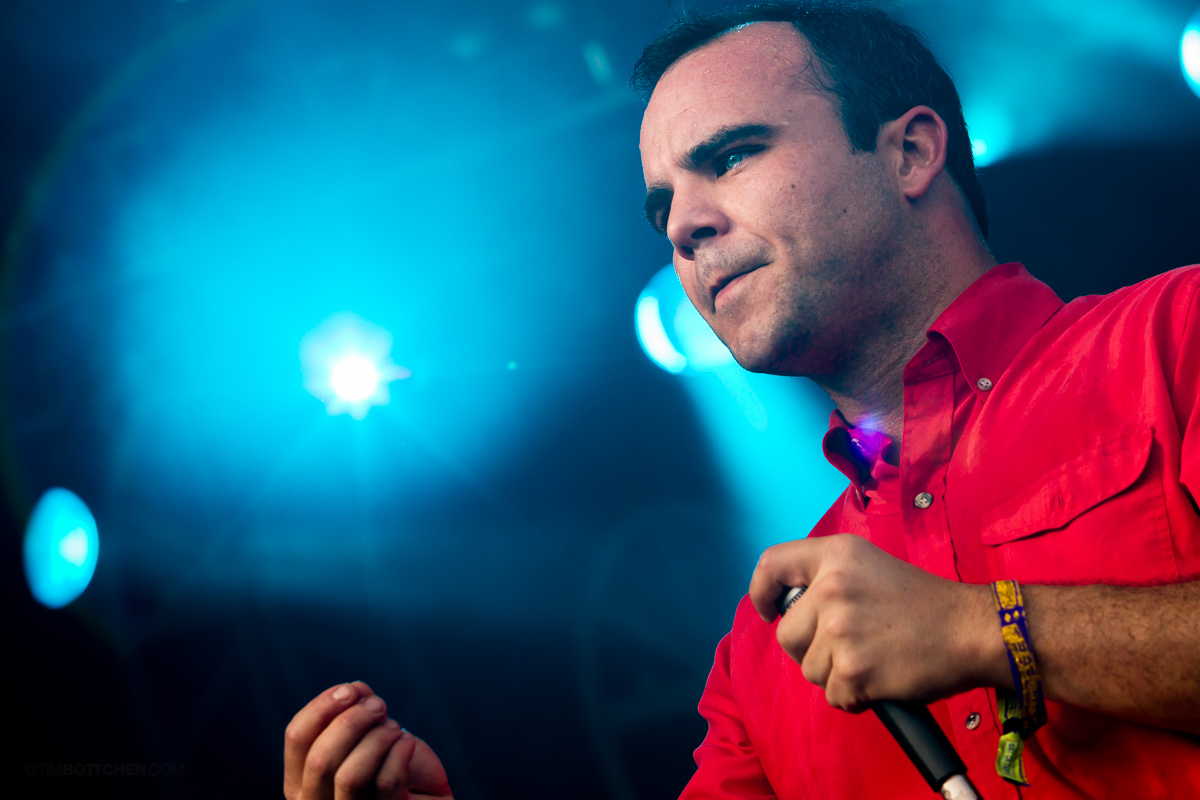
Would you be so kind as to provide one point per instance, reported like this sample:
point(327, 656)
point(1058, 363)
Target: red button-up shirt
point(1061, 445)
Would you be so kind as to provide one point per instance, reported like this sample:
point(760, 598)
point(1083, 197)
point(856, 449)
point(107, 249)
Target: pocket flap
point(1068, 490)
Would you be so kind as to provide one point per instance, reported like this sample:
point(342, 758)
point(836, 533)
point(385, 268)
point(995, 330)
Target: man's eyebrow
point(701, 153)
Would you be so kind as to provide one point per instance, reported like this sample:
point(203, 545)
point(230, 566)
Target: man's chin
point(774, 357)
point(764, 363)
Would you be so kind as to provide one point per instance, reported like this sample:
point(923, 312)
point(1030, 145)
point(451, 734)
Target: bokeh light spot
point(1189, 52)
point(598, 63)
point(672, 332)
point(74, 547)
point(347, 364)
point(991, 134)
point(355, 378)
point(704, 351)
point(61, 548)
point(546, 15)
point(653, 336)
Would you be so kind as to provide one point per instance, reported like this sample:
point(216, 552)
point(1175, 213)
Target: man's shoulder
point(1159, 307)
point(1175, 288)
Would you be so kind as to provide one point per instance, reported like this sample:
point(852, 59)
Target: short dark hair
point(875, 67)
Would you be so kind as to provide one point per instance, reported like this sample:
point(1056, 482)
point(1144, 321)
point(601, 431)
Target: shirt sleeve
point(727, 765)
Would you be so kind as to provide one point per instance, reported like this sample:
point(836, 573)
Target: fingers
point(357, 772)
point(308, 724)
point(426, 775)
point(797, 634)
point(789, 564)
point(850, 673)
point(392, 780)
point(335, 743)
point(822, 630)
point(411, 765)
point(871, 626)
point(840, 672)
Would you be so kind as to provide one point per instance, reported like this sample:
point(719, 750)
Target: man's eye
point(731, 160)
point(658, 220)
point(727, 161)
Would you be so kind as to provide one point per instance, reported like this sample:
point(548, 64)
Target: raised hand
point(342, 745)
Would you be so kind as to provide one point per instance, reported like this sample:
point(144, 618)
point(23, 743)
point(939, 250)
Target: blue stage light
point(653, 336)
point(766, 430)
point(348, 365)
point(672, 332)
point(1189, 52)
point(354, 378)
point(61, 548)
point(991, 134)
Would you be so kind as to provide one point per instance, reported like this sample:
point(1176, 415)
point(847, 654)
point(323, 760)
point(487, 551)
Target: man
point(810, 166)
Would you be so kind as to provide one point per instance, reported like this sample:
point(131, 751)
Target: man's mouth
point(728, 285)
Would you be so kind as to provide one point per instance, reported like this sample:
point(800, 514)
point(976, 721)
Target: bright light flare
point(348, 365)
point(62, 546)
point(1189, 53)
point(671, 330)
point(992, 135)
point(355, 378)
point(653, 336)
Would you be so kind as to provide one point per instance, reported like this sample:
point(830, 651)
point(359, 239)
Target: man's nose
point(693, 221)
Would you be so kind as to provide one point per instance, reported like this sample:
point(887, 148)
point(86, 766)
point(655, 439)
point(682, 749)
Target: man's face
point(782, 235)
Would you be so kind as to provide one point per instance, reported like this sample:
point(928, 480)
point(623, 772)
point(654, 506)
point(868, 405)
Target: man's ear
point(916, 146)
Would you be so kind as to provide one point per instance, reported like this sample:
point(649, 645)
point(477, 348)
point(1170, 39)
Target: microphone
point(918, 733)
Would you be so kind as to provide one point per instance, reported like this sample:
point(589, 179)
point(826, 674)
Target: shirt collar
point(984, 329)
point(987, 325)
point(854, 452)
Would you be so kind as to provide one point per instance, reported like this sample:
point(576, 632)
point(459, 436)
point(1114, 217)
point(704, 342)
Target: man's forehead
point(727, 79)
point(750, 46)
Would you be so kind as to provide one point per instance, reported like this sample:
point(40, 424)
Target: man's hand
point(871, 627)
point(342, 746)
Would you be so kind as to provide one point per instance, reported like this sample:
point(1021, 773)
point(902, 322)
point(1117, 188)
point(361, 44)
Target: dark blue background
point(532, 565)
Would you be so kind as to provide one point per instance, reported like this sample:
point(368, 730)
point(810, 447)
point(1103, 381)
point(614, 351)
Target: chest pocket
point(1099, 517)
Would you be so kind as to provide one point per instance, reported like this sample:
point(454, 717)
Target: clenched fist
point(342, 745)
point(872, 627)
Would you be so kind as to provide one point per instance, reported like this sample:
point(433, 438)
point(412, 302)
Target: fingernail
point(343, 693)
point(374, 705)
point(391, 723)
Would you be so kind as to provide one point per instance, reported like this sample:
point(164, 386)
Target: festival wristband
point(1009, 764)
point(1022, 712)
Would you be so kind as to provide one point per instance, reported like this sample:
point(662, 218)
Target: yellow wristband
point(1022, 712)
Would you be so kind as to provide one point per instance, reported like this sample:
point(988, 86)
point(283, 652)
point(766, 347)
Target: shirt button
point(984, 384)
point(972, 721)
point(923, 500)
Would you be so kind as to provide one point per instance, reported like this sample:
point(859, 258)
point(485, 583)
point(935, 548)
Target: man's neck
point(869, 392)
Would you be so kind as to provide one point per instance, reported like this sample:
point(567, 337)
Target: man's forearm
point(1125, 651)
point(873, 627)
